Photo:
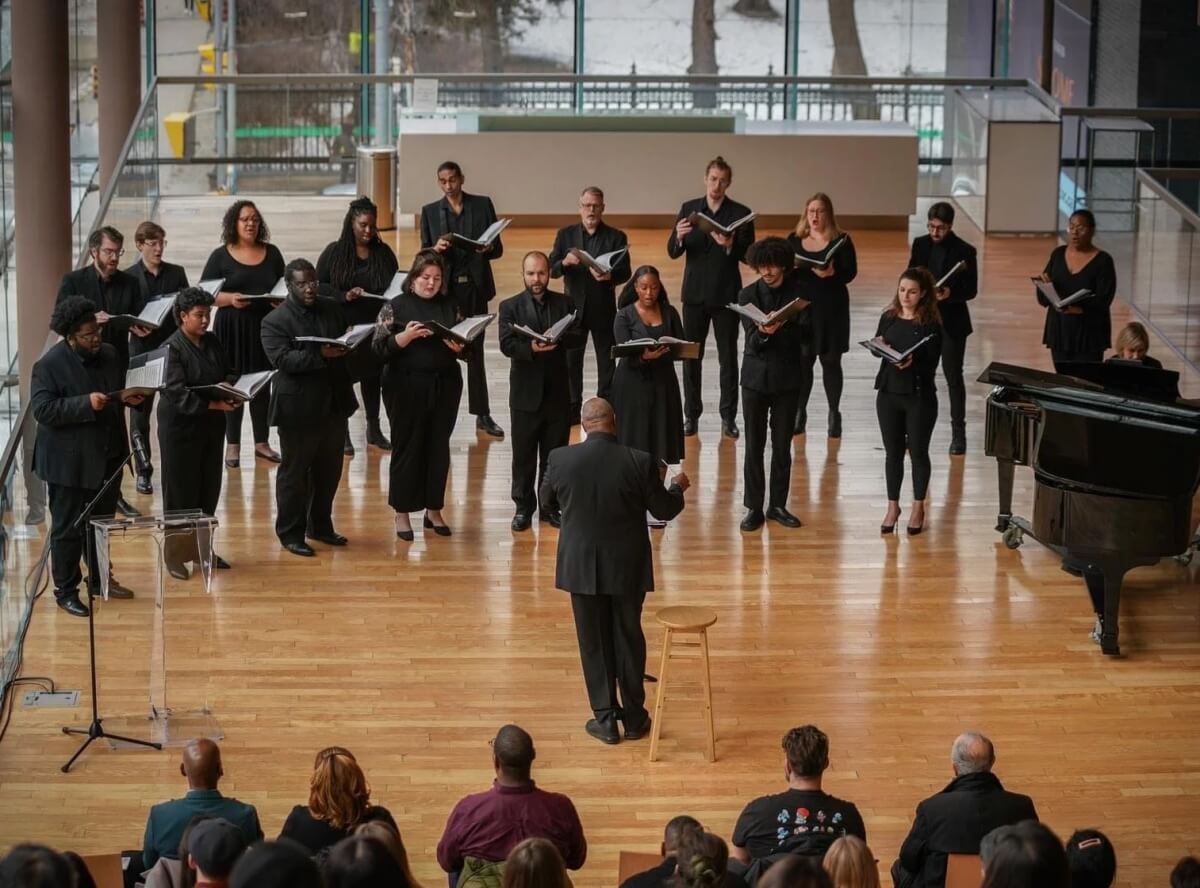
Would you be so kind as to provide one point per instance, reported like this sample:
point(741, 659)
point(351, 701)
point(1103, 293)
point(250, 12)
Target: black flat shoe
point(488, 426)
point(835, 424)
point(440, 529)
point(783, 516)
point(303, 549)
point(269, 456)
point(178, 571)
point(232, 463)
point(730, 430)
point(220, 563)
point(348, 446)
point(126, 509)
point(521, 522)
point(689, 428)
point(753, 521)
point(117, 590)
point(958, 442)
point(406, 535)
point(890, 528)
point(376, 437)
point(554, 519)
point(605, 733)
point(639, 732)
point(72, 605)
point(329, 539)
point(801, 425)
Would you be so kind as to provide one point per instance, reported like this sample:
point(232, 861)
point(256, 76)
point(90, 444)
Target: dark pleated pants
point(422, 412)
point(612, 649)
point(906, 422)
point(192, 473)
point(534, 434)
point(696, 321)
point(260, 407)
point(776, 412)
point(139, 424)
point(67, 543)
point(307, 479)
point(469, 302)
point(832, 379)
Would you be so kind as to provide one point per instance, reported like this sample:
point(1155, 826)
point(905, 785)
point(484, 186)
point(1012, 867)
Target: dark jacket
point(596, 299)
point(317, 835)
point(954, 822)
point(535, 379)
point(119, 295)
point(773, 363)
point(167, 821)
point(169, 281)
point(663, 876)
point(477, 214)
point(710, 275)
point(72, 438)
point(604, 490)
point(963, 284)
point(308, 388)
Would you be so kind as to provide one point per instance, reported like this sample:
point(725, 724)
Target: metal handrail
point(700, 79)
point(1145, 176)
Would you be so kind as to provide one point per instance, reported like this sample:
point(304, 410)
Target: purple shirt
point(490, 824)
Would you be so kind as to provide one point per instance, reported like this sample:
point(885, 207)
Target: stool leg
point(660, 696)
point(708, 709)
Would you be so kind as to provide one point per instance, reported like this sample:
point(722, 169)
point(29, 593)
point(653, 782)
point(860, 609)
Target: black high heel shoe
point(440, 529)
point(913, 531)
point(890, 528)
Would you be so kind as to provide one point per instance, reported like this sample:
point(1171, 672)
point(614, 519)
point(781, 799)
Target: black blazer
point(538, 379)
point(773, 363)
point(953, 822)
point(120, 295)
point(963, 284)
point(597, 299)
point(170, 279)
point(604, 490)
point(71, 437)
point(710, 275)
point(477, 214)
point(308, 388)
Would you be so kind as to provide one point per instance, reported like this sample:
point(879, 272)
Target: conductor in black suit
point(939, 251)
point(538, 394)
point(594, 293)
point(80, 439)
point(604, 490)
point(711, 280)
point(469, 278)
point(312, 396)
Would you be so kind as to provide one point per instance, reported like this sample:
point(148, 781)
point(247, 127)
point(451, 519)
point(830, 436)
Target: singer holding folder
point(1079, 332)
point(906, 400)
point(80, 440)
point(191, 424)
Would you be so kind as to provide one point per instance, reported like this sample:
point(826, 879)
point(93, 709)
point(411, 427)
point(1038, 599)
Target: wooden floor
point(413, 654)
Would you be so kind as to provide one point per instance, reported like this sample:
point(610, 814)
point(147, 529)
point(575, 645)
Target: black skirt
point(648, 406)
point(240, 329)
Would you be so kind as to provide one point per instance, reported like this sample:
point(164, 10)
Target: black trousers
point(760, 411)
point(260, 406)
point(67, 543)
point(612, 650)
point(906, 422)
point(307, 479)
point(469, 303)
point(422, 413)
point(191, 466)
point(696, 321)
point(139, 424)
point(831, 377)
point(370, 388)
point(534, 434)
point(1064, 357)
point(953, 351)
point(600, 327)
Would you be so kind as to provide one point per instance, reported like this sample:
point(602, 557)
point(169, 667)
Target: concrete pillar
point(118, 37)
point(42, 162)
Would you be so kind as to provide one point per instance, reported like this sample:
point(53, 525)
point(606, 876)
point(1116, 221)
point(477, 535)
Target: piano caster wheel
point(1013, 536)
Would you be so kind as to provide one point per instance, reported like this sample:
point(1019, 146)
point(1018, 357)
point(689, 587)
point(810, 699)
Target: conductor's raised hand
point(540, 347)
point(98, 400)
point(682, 481)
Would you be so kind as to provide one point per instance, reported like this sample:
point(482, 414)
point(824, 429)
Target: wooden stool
point(685, 621)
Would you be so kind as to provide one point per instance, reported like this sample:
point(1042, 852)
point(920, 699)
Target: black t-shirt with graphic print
point(799, 821)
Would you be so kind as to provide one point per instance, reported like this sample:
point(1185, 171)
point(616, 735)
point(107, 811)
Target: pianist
point(1132, 344)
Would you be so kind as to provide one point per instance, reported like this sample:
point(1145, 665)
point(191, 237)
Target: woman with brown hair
point(702, 860)
point(388, 835)
point(339, 799)
point(851, 864)
point(824, 285)
point(906, 403)
point(535, 863)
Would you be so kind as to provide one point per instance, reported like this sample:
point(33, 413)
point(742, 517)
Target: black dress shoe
point(375, 435)
point(689, 428)
point(330, 539)
point(783, 516)
point(835, 424)
point(753, 521)
point(144, 485)
point(126, 509)
point(440, 529)
point(958, 442)
point(72, 605)
point(604, 732)
point(488, 426)
point(730, 430)
point(801, 425)
point(117, 590)
point(406, 535)
point(521, 521)
point(177, 570)
point(639, 732)
point(348, 446)
point(220, 563)
point(300, 549)
point(554, 519)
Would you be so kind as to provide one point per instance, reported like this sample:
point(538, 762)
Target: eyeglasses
point(591, 206)
point(935, 228)
point(154, 243)
point(91, 337)
point(109, 253)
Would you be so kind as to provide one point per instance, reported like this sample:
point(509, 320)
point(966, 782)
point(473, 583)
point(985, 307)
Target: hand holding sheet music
point(602, 264)
point(464, 332)
point(881, 349)
point(709, 225)
point(1050, 292)
point(485, 240)
point(552, 334)
point(772, 319)
point(822, 260)
point(392, 291)
point(650, 349)
point(146, 375)
point(353, 337)
point(244, 389)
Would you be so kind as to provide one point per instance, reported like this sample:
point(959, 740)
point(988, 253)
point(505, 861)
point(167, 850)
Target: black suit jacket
point(170, 279)
point(597, 299)
point(71, 437)
point(477, 214)
point(773, 363)
point(963, 284)
point(954, 822)
point(537, 379)
point(604, 490)
point(710, 275)
point(121, 295)
point(308, 388)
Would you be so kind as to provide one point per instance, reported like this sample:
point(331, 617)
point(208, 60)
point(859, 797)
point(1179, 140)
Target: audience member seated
point(201, 766)
point(214, 847)
point(35, 866)
point(1024, 855)
point(279, 864)
point(1091, 859)
point(535, 863)
point(339, 799)
point(83, 875)
point(169, 872)
point(1133, 343)
point(957, 818)
point(851, 864)
point(794, 871)
point(1186, 873)
point(702, 860)
point(664, 874)
point(387, 834)
point(801, 820)
point(485, 827)
point(362, 862)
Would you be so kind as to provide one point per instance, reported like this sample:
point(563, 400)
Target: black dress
point(240, 329)
point(646, 393)
point(422, 385)
point(1084, 336)
point(829, 313)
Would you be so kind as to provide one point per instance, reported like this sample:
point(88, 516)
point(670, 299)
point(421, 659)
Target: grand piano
point(1116, 462)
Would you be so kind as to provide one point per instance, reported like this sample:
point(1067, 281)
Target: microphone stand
point(95, 730)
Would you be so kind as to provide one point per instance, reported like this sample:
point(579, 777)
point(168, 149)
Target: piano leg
point(1104, 587)
point(1005, 470)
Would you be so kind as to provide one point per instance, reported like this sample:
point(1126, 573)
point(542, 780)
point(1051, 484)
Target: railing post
point(580, 6)
point(791, 58)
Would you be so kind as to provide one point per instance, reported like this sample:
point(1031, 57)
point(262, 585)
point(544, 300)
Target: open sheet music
point(247, 386)
point(463, 332)
point(889, 354)
point(956, 267)
point(604, 263)
point(485, 240)
point(279, 291)
point(352, 337)
point(758, 316)
point(393, 289)
point(1047, 289)
point(553, 334)
point(708, 224)
point(146, 375)
point(823, 259)
point(681, 349)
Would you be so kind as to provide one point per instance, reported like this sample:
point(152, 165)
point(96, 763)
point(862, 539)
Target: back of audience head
point(35, 866)
point(338, 791)
point(213, 849)
point(701, 859)
point(1091, 859)
point(279, 864)
point(535, 863)
point(796, 871)
point(1186, 873)
point(360, 861)
point(386, 834)
point(972, 753)
point(674, 831)
point(851, 864)
point(513, 753)
point(188, 875)
point(83, 875)
point(807, 751)
point(1026, 855)
point(201, 759)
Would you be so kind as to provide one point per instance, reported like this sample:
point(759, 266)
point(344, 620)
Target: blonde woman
point(851, 864)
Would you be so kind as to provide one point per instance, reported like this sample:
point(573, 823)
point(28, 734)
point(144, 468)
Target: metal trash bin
point(377, 180)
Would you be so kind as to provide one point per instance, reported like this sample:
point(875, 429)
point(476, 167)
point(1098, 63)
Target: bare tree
point(704, 50)
point(756, 9)
point(847, 48)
